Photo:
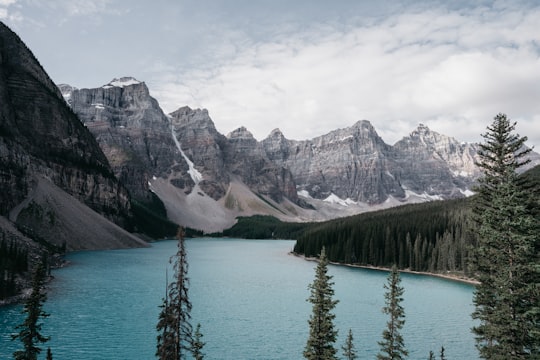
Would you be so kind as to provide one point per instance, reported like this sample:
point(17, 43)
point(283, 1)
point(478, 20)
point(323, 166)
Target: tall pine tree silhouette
point(322, 335)
point(392, 345)
point(506, 259)
point(30, 330)
point(174, 340)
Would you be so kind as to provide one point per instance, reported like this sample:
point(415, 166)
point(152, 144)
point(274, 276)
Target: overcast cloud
point(307, 67)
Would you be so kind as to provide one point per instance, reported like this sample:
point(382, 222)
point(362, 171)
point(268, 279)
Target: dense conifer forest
point(264, 227)
point(422, 237)
point(13, 262)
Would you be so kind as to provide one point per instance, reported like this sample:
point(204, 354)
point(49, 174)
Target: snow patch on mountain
point(196, 176)
point(122, 82)
point(334, 199)
point(423, 196)
point(304, 193)
point(467, 192)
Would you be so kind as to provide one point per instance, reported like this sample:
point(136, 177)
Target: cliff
point(43, 142)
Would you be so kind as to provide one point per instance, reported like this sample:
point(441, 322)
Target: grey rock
point(131, 129)
point(351, 163)
point(41, 138)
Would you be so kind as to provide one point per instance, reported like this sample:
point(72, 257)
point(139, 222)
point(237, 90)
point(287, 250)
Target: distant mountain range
point(206, 179)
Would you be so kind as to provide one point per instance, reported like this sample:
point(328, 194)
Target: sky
point(304, 66)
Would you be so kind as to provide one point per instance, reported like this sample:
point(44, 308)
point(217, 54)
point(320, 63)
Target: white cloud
point(450, 70)
point(449, 67)
point(7, 2)
point(5, 14)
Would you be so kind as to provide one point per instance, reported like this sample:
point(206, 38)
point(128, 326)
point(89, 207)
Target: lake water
point(249, 297)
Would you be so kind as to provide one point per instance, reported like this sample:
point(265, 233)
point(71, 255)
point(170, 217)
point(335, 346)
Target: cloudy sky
point(304, 66)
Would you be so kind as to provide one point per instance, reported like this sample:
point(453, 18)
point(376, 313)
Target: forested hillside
point(436, 236)
point(424, 237)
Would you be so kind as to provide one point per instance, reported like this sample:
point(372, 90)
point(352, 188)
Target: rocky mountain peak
point(130, 127)
point(192, 118)
point(363, 125)
point(66, 90)
point(424, 138)
point(122, 82)
point(421, 129)
point(240, 133)
point(276, 133)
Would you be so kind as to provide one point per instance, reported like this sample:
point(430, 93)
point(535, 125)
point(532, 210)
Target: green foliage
point(442, 357)
point(507, 301)
point(174, 338)
point(322, 335)
point(422, 237)
point(30, 330)
point(349, 352)
point(198, 344)
point(13, 262)
point(392, 345)
point(264, 227)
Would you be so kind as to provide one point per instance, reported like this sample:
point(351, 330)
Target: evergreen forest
point(430, 237)
point(437, 236)
point(13, 262)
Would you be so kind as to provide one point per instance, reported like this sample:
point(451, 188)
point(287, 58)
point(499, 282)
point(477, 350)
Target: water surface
point(248, 296)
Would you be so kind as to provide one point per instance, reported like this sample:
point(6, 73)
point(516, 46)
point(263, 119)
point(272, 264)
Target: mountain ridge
point(344, 172)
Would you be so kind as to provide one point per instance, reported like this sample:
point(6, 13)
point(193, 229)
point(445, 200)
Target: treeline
point(430, 236)
point(264, 227)
point(437, 236)
point(13, 261)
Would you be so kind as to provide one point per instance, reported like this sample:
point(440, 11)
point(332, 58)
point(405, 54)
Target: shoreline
point(451, 277)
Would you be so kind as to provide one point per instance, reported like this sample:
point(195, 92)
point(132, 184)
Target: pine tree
point(198, 344)
point(49, 354)
point(349, 352)
point(322, 335)
point(174, 328)
point(431, 355)
point(392, 346)
point(507, 254)
point(442, 357)
point(30, 330)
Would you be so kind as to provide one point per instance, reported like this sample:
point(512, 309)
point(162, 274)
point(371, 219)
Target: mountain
point(131, 129)
point(195, 171)
point(426, 162)
point(350, 164)
point(206, 179)
point(57, 185)
point(353, 166)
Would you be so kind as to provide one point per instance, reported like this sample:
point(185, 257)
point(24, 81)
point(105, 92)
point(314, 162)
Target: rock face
point(350, 163)
point(435, 164)
point(237, 156)
point(131, 129)
point(355, 165)
point(41, 139)
point(204, 147)
point(183, 150)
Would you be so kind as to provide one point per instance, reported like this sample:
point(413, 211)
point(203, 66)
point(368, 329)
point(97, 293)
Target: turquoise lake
point(249, 297)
